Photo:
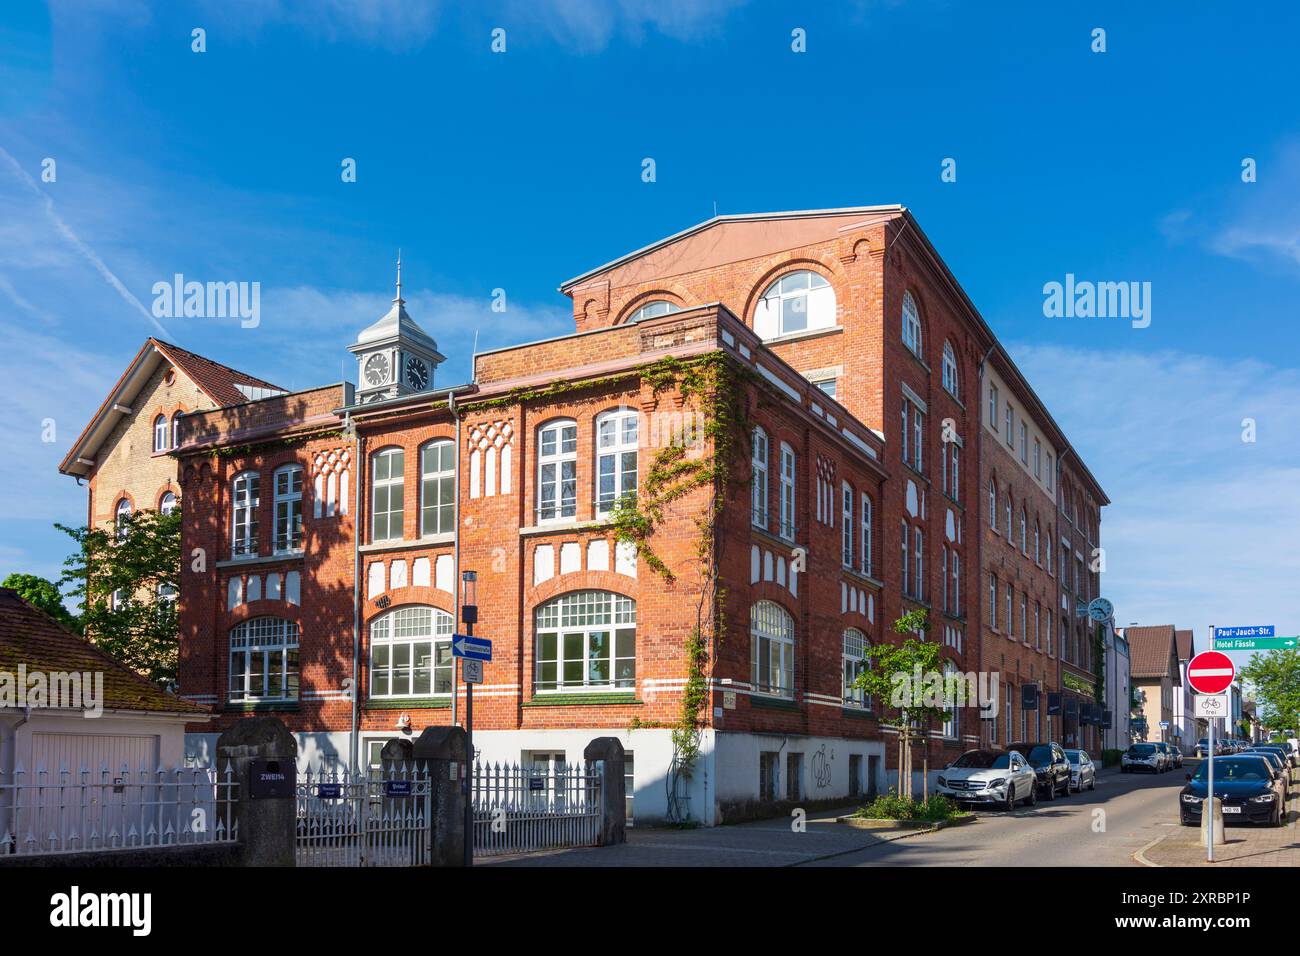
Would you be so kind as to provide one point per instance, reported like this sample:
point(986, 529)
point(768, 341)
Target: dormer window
point(799, 302)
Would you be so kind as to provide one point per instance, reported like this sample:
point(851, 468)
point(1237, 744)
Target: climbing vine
point(1099, 663)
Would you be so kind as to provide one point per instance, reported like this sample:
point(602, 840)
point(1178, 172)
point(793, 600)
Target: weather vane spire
point(398, 298)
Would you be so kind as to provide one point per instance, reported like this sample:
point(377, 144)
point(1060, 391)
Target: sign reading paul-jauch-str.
point(1253, 630)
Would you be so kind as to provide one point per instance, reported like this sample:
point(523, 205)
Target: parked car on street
point(1051, 767)
point(1284, 748)
point(1142, 757)
point(997, 777)
point(1244, 783)
point(1281, 768)
point(1203, 747)
point(1173, 756)
point(1083, 772)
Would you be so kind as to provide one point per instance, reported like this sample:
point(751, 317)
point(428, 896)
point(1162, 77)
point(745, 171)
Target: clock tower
point(395, 356)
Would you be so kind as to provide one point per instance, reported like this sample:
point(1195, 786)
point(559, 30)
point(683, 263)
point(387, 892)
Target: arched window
point(798, 302)
point(771, 633)
point(288, 509)
point(557, 470)
point(264, 660)
point(866, 535)
point(616, 450)
point(122, 515)
point(993, 504)
point(245, 498)
point(586, 640)
point(387, 494)
point(176, 430)
point(653, 309)
point(911, 325)
point(758, 481)
point(161, 437)
point(855, 662)
point(438, 488)
point(950, 370)
point(167, 503)
point(410, 652)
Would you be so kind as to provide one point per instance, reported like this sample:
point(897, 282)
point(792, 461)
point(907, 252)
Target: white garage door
point(54, 752)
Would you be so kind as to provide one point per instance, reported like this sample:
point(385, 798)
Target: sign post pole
point(1210, 673)
point(469, 614)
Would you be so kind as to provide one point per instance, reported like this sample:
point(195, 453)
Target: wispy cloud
point(1202, 523)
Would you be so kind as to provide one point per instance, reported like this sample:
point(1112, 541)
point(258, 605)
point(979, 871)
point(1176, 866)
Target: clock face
point(417, 373)
point(376, 369)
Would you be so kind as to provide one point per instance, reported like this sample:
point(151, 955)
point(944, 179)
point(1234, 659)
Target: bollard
point(1212, 817)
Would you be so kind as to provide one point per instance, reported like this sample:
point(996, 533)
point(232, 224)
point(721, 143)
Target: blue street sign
point(476, 648)
point(329, 791)
point(397, 788)
point(1257, 630)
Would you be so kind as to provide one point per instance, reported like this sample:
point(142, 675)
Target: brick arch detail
point(580, 581)
point(827, 265)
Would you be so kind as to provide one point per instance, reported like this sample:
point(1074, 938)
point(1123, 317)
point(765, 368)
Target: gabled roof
point(1184, 639)
point(30, 637)
point(1151, 651)
point(218, 382)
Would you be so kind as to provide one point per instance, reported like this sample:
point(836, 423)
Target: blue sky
point(519, 170)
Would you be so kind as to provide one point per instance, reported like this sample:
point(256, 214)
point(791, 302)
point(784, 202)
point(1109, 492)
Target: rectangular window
point(993, 407)
point(827, 385)
point(388, 494)
point(1010, 436)
point(758, 482)
point(1024, 443)
point(767, 775)
point(1038, 620)
point(1011, 612)
point(956, 584)
point(787, 492)
point(848, 528)
point(918, 433)
point(1038, 459)
point(866, 535)
point(1024, 617)
point(246, 502)
point(616, 451)
point(855, 662)
point(288, 509)
point(438, 488)
point(1049, 633)
point(993, 601)
point(557, 476)
point(918, 584)
point(794, 776)
point(855, 775)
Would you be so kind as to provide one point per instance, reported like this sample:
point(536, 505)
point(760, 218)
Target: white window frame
point(994, 405)
point(401, 634)
point(771, 638)
point(176, 429)
point(616, 440)
point(789, 464)
point(994, 596)
point(866, 534)
point(782, 300)
point(955, 571)
point(1024, 443)
point(652, 310)
point(993, 504)
point(854, 662)
point(276, 640)
point(588, 616)
point(393, 488)
point(557, 467)
point(1038, 459)
point(161, 434)
point(437, 482)
point(906, 563)
point(848, 529)
point(911, 319)
point(287, 532)
point(918, 550)
point(1010, 436)
point(168, 503)
point(245, 503)
point(1024, 532)
point(758, 481)
point(950, 381)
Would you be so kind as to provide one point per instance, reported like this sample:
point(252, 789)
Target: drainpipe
point(455, 413)
point(357, 526)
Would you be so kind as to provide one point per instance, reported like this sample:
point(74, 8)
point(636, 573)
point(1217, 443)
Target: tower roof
point(397, 323)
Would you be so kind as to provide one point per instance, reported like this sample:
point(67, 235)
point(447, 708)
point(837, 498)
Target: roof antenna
point(715, 209)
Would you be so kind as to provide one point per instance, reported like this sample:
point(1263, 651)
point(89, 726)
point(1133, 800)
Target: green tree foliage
point(1275, 675)
point(127, 580)
point(44, 594)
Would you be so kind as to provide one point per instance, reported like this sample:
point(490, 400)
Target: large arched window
point(288, 509)
point(758, 481)
point(438, 488)
point(771, 636)
point(911, 325)
point(410, 653)
point(161, 436)
point(264, 660)
point(798, 302)
point(616, 449)
point(245, 500)
point(653, 309)
point(586, 640)
point(388, 494)
point(950, 371)
point(557, 470)
point(855, 662)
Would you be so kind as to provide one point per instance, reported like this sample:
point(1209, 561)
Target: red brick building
point(790, 397)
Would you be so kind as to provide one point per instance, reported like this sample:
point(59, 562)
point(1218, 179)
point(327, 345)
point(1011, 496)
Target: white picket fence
point(367, 818)
point(518, 808)
point(65, 811)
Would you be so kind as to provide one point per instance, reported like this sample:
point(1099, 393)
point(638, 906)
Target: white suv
point(997, 777)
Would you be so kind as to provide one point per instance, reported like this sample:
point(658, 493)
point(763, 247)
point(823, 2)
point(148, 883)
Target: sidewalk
point(761, 843)
point(1247, 845)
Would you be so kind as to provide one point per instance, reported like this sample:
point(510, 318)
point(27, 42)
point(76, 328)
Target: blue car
point(1247, 786)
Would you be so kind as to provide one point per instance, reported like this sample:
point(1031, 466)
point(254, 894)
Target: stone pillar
point(264, 758)
point(440, 752)
point(608, 752)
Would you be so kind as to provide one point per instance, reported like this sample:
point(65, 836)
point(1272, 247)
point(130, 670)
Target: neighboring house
point(1156, 679)
point(141, 725)
point(123, 452)
point(1188, 727)
point(1117, 692)
point(853, 357)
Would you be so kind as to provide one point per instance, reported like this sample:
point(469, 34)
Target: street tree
point(127, 578)
point(1275, 676)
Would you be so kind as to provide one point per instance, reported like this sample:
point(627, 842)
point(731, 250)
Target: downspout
point(455, 689)
point(357, 525)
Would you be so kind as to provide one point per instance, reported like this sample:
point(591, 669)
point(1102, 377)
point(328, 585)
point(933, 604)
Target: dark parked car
point(1244, 783)
point(1051, 767)
point(1282, 750)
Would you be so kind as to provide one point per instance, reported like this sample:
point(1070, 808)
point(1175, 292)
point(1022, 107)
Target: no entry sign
point(1210, 672)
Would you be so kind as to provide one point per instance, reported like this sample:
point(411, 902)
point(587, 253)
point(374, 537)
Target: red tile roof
point(30, 637)
point(217, 380)
point(1150, 650)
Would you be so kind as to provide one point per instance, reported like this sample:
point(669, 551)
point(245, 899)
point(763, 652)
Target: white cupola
point(395, 356)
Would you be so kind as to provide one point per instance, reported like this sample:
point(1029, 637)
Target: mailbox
point(272, 778)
